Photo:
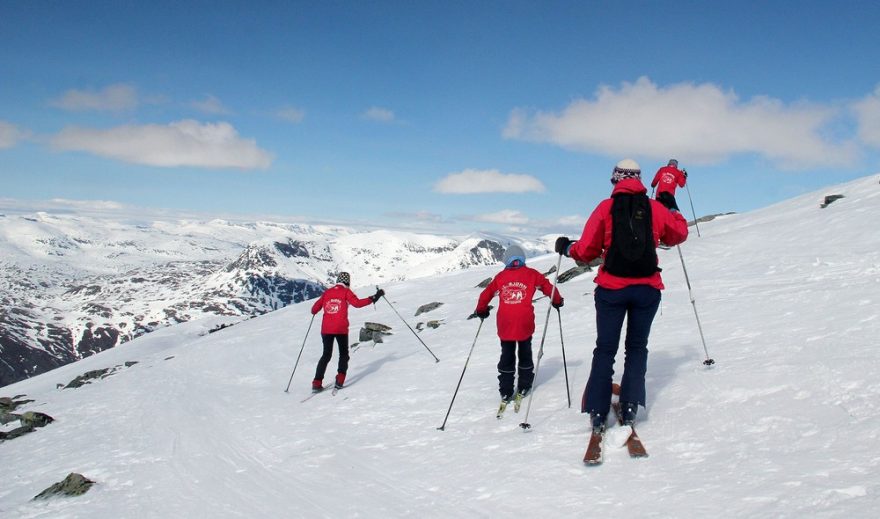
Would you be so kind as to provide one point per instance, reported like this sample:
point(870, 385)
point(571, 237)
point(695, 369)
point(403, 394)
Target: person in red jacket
point(628, 285)
point(515, 286)
point(667, 179)
point(334, 302)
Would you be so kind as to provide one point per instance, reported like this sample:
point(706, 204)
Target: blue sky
point(447, 116)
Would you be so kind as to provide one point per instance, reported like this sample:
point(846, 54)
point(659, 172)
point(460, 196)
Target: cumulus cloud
point(867, 113)
point(382, 115)
point(505, 216)
point(114, 98)
point(471, 181)
point(291, 114)
point(181, 143)
point(210, 105)
point(10, 135)
point(698, 122)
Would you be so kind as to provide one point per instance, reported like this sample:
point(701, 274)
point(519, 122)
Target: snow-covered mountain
point(74, 284)
point(783, 425)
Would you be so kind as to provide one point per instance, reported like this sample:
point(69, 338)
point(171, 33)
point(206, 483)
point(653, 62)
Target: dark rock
point(484, 283)
point(434, 324)
point(428, 307)
point(552, 270)
point(87, 378)
point(73, 485)
point(35, 419)
point(829, 199)
point(373, 332)
point(573, 272)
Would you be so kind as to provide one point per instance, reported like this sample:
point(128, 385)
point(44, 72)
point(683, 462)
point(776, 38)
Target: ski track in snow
point(782, 426)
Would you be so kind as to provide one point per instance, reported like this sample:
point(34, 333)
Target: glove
point(482, 315)
point(685, 173)
point(562, 245)
point(378, 295)
point(559, 304)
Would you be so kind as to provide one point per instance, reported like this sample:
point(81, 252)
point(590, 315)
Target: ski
point(593, 456)
point(315, 392)
point(633, 443)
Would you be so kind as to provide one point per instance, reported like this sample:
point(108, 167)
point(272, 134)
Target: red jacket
point(667, 179)
point(516, 314)
point(334, 301)
point(670, 228)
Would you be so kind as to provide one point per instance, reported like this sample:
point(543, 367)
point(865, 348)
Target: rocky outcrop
point(829, 199)
point(428, 307)
point(73, 485)
point(373, 332)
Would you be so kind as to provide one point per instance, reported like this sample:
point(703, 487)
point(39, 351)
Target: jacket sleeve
point(318, 305)
point(485, 296)
point(547, 287)
point(355, 301)
point(674, 228)
point(591, 242)
point(656, 178)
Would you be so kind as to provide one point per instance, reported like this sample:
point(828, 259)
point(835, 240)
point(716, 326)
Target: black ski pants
point(327, 339)
point(508, 366)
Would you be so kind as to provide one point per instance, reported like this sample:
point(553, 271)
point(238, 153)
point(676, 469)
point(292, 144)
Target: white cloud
point(505, 216)
point(88, 204)
point(181, 143)
point(382, 115)
point(699, 123)
point(471, 181)
point(867, 112)
point(114, 98)
point(210, 105)
point(10, 135)
point(291, 114)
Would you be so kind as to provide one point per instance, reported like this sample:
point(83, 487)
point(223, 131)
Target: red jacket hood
point(631, 186)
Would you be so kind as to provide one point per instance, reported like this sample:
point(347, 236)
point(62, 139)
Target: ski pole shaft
point(410, 329)
point(709, 361)
point(526, 425)
point(691, 200)
point(300, 353)
point(564, 364)
point(443, 427)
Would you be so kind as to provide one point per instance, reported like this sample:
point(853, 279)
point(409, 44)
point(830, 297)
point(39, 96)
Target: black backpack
point(632, 253)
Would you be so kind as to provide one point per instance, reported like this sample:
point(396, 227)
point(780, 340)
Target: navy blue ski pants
point(638, 304)
point(327, 339)
point(507, 366)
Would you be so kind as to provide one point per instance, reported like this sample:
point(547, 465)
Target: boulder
point(428, 307)
point(373, 332)
point(829, 199)
point(73, 485)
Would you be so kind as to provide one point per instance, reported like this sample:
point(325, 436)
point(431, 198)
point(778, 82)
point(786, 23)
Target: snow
point(784, 425)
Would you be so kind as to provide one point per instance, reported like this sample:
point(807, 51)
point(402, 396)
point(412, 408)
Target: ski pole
point(564, 364)
point(696, 224)
point(443, 427)
point(410, 328)
point(708, 361)
point(300, 353)
point(526, 425)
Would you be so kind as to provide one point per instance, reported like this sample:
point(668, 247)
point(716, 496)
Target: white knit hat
point(626, 168)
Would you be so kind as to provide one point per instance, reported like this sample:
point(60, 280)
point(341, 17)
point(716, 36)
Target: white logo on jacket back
point(332, 306)
point(513, 293)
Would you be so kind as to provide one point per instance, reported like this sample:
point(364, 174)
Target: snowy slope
point(784, 425)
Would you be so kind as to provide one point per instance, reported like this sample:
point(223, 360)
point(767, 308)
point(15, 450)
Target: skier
point(628, 285)
point(666, 180)
point(334, 301)
point(515, 286)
